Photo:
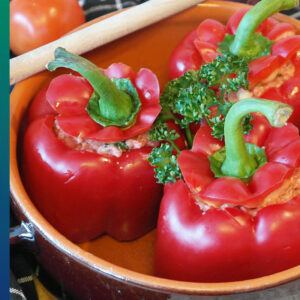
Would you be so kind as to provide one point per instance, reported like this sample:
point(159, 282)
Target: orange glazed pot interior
point(151, 48)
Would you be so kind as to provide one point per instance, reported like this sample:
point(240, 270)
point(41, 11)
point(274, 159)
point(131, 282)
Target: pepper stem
point(244, 43)
point(239, 162)
point(114, 107)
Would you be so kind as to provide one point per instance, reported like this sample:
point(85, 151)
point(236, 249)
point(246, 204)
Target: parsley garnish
point(164, 157)
point(191, 95)
point(165, 163)
point(121, 145)
point(228, 72)
point(188, 100)
point(161, 132)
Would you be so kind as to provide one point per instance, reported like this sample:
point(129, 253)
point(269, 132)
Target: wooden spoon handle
point(97, 34)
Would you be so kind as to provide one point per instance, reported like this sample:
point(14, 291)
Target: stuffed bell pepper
point(233, 211)
point(86, 147)
point(271, 50)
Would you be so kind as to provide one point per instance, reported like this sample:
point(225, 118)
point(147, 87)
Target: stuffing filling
point(275, 80)
point(287, 191)
point(114, 149)
point(285, 35)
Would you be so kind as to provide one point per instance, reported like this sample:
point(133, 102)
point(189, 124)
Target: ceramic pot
point(104, 268)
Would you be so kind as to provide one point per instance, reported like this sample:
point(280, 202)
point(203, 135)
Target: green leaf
point(192, 95)
point(188, 97)
point(165, 164)
point(121, 145)
point(161, 132)
point(173, 87)
point(228, 72)
point(216, 160)
point(224, 46)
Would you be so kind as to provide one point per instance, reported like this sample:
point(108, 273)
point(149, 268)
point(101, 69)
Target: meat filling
point(275, 80)
point(90, 145)
point(287, 191)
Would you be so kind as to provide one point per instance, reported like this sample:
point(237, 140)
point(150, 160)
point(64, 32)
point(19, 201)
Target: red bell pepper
point(288, 93)
point(204, 44)
point(81, 192)
point(234, 216)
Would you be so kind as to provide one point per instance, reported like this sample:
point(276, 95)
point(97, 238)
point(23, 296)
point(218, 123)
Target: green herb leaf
point(172, 89)
point(188, 97)
point(121, 145)
point(192, 95)
point(161, 132)
point(165, 164)
point(228, 72)
point(187, 100)
point(163, 158)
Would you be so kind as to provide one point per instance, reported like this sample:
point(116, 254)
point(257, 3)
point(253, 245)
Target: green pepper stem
point(189, 137)
point(115, 106)
point(172, 143)
point(238, 162)
point(253, 18)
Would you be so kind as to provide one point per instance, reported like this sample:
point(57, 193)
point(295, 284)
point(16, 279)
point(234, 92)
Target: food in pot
point(85, 150)
point(270, 48)
point(231, 205)
point(235, 214)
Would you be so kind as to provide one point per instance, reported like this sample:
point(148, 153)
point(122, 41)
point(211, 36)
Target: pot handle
point(21, 233)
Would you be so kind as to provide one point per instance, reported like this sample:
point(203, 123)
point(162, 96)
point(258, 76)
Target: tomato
point(34, 23)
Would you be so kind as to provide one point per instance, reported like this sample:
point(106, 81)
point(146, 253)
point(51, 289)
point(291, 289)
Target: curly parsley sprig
point(188, 100)
point(164, 157)
point(192, 95)
point(165, 163)
point(228, 72)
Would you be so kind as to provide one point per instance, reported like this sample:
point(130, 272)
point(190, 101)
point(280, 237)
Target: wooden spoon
point(97, 34)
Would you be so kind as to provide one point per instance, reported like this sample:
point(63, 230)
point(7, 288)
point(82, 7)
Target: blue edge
point(4, 151)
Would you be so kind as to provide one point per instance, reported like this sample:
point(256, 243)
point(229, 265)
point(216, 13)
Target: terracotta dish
point(104, 268)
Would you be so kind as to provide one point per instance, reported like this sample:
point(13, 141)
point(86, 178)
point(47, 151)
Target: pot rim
point(109, 269)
